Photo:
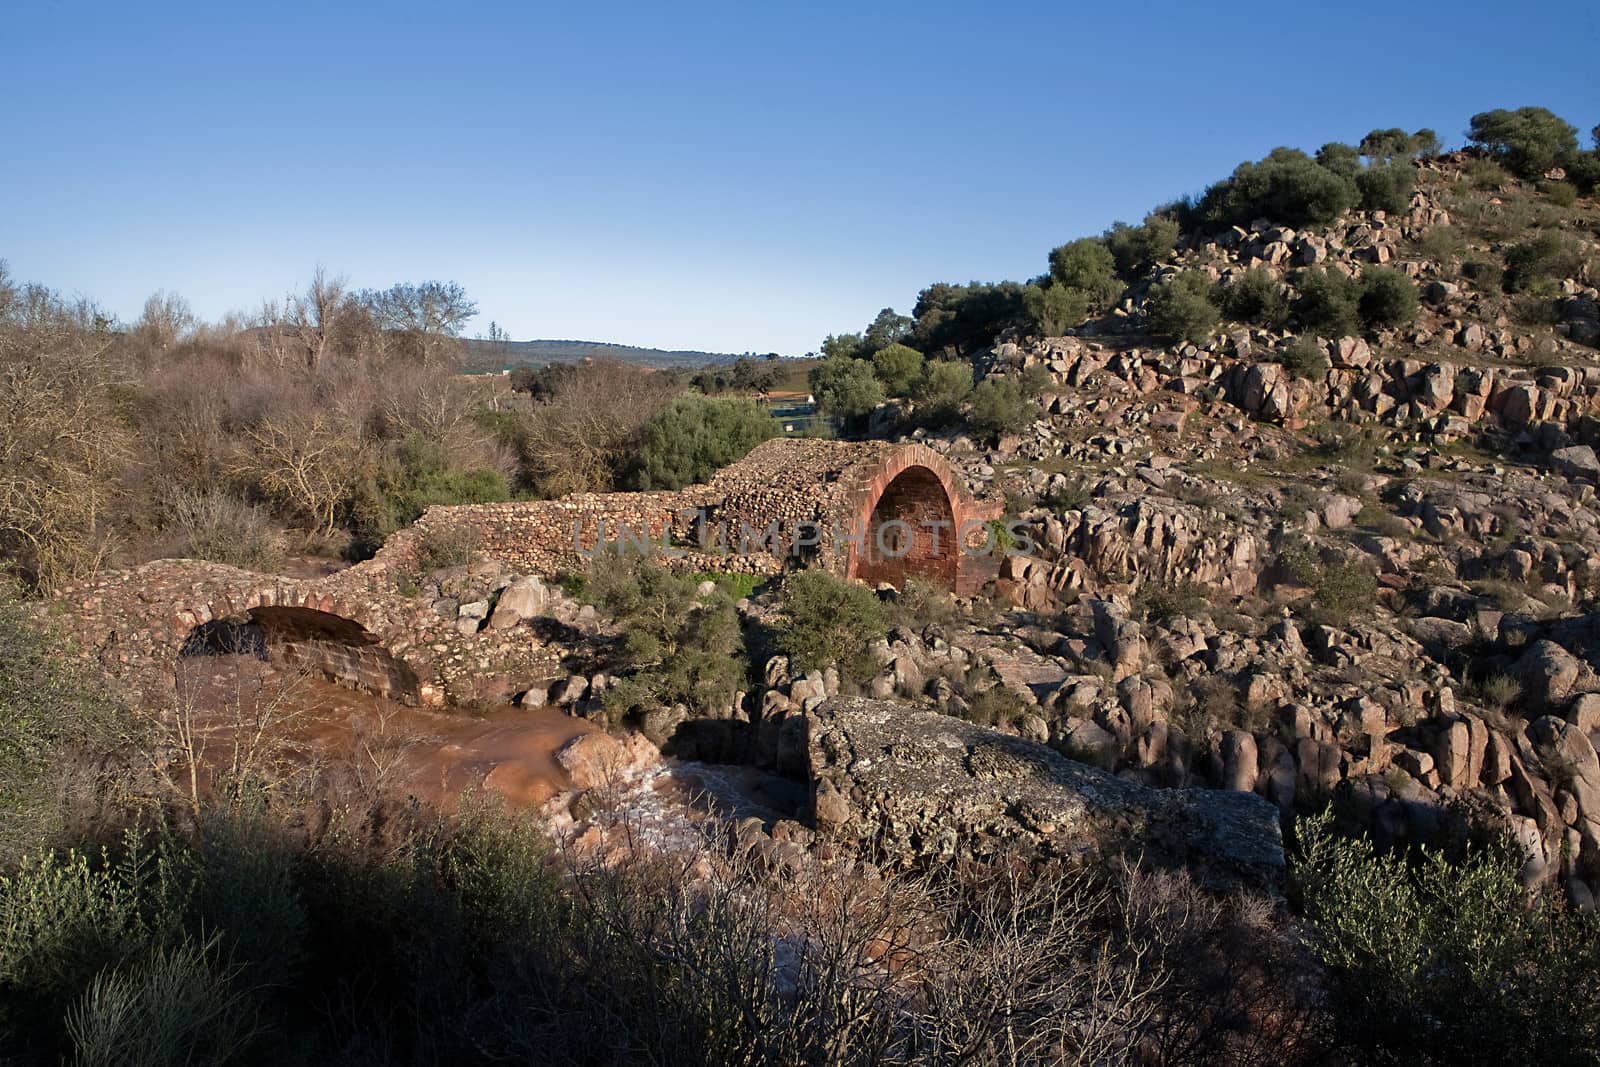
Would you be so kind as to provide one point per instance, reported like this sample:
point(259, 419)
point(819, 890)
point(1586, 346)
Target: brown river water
point(439, 756)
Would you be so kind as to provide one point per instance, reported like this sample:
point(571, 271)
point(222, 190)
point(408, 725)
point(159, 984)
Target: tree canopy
point(694, 436)
point(1528, 141)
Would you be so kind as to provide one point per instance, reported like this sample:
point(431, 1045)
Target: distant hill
point(485, 355)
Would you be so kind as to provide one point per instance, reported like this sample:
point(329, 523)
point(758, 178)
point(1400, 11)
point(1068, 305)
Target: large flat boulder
point(909, 786)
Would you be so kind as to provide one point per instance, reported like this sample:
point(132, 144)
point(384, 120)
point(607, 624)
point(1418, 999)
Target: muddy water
point(436, 756)
point(440, 756)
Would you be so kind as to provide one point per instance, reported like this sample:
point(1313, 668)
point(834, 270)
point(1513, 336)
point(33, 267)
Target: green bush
point(1547, 257)
point(65, 918)
point(1054, 309)
point(467, 940)
point(1287, 187)
point(952, 321)
point(1036, 379)
point(1387, 146)
point(1162, 602)
point(1431, 960)
point(1529, 140)
point(943, 387)
point(922, 604)
point(1255, 297)
point(1340, 586)
point(1304, 358)
point(1341, 159)
point(1442, 243)
point(1000, 406)
point(1183, 307)
point(828, 622)
point(1135, 247)
point(1583, 173)
point(1486, 176)
point(1386, 188)
point(418, 475)
point(49, 713)
point(887, 327)
point(845, 387)
point(679, 647)
point(123, 956)
point(1087, 265)
point(697, 435)
point(898, 367)
point(1388, 298)
point(845, 346)
point(1329, 304)
point(177, 1006)
point(1561, 194)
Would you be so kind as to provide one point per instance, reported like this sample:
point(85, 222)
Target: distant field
point(493, 355)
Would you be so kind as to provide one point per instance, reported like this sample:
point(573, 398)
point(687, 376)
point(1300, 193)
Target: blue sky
point(725, 177)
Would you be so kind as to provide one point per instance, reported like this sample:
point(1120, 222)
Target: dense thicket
point(320, 425)
point(1439, 960)
point(335, 414)
point(696, 435)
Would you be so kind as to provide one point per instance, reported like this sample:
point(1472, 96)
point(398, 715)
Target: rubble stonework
point(354, 627)
point(825, 502)
point(360, 628)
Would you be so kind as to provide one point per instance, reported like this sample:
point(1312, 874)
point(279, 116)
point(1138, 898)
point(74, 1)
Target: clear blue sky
point(732, 177)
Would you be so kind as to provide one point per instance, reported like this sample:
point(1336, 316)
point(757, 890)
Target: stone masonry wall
point(365, 627)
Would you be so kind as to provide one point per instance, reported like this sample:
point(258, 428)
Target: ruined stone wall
point(356, 626)
point(791, 502)
point(551, 536)
point(368, 628)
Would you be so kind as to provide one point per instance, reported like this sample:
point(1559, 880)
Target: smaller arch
point(303, 637)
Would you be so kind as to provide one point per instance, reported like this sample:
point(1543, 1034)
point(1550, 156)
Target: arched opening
point(304, 639)
point(910, 533)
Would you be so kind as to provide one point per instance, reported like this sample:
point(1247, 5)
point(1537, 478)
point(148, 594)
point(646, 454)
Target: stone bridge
point(874, 511)
point(355, 627)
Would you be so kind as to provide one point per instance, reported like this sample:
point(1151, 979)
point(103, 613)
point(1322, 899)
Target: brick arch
point(914, 486)
point(340, 640)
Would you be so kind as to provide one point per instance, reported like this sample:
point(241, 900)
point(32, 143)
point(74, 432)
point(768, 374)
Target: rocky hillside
point(1361, 568)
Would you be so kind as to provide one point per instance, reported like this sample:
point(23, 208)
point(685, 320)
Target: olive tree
point(1528, 141)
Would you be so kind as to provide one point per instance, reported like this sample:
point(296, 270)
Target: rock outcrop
point(910, 786)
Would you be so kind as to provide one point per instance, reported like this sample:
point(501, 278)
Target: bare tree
point(166, 320)
point(586, 424)
point(425, 317)
point(380, 750)
point(318, 315)
point(1029, 975)
point(273, 332)
point(61, 444)
point(308, 461)
point(228, 728)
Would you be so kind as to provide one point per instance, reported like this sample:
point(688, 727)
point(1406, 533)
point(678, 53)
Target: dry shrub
point(62, 446)
point(583, 428)
point(296, 411)
point(1236, 988)
point(219, 527)
point(449, 546)
point(1500, 692)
